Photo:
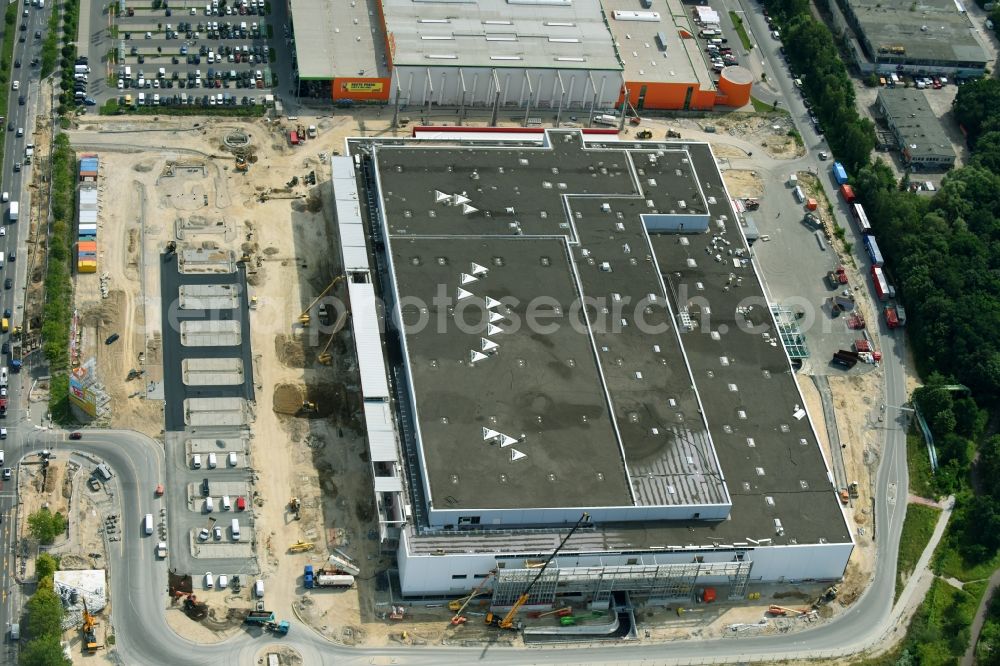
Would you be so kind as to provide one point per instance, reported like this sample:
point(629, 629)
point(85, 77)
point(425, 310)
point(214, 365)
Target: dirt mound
point(331, 400)
point(292, 353)
point(288, 398)
point(75, 562)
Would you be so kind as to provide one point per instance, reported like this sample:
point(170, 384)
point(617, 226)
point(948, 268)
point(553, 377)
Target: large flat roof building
point(924, 144)
point(559, 54)
point(929, 37)
point(578, 326)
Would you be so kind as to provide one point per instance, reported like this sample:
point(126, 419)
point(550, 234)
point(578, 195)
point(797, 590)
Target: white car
point(232, 458)
point(209, 580)
point(226, 504)
point(5, 197)
point(121, 84)
point(223, 581)
point(3, 231)
point(16, 85)
point(203, 534)
point(212, 462)
point(217, 533)
point(196, 461)
point(1, 456)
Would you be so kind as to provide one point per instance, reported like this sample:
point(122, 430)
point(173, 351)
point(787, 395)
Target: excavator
point(507, 621)
point(305, 317)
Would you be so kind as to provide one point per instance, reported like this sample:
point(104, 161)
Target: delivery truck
point(12, 213)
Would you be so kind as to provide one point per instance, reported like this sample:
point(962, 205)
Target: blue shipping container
point(839, 173)
point(873, 251)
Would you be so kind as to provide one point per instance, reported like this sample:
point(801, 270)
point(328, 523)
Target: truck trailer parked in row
point(839, 173)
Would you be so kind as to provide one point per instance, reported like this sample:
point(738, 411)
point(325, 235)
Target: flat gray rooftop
point(626, 416)
point(339, 39)
point(681, 62)
point(919, 127)
point(932, 30)
point(497, 33)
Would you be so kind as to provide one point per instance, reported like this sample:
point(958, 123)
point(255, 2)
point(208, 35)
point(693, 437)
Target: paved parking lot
point(187, 53)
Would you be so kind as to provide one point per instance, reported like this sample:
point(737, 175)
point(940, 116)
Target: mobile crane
point(507, 621)
point(459, 605)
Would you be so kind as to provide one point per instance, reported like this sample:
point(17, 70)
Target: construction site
point(407, 506)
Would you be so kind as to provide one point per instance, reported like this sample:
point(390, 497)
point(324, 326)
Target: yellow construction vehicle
point(304, 318)
point(458, 605)
point(507, 621)
point(300, 547)
point(89, 630)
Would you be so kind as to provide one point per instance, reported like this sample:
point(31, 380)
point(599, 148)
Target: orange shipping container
point(87, 246)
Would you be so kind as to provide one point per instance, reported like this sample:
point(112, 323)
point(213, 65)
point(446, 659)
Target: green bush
point(44, 651)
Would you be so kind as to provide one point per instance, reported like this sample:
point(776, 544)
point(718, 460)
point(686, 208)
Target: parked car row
point(183, 99)
point(214, 79)
point(210, 29)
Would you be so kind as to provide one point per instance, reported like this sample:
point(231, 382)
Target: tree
point(45, 566)
point(44, 651)
point(44, 611)
point(45, 525)
point(975, 104)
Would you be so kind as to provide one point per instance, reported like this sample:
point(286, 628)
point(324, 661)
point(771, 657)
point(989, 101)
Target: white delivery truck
point(12, 213)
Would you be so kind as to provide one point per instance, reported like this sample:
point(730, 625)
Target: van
point(212, 462)
point(209, 505)
point(799, 194)
point(128, 73)
point(103, 471)
point(258, 589)
point(226, 504)
point(236, 534)
point(232, 459)
point(196, 461)
point(147, 524)
point(142, 99)
point(15, 632)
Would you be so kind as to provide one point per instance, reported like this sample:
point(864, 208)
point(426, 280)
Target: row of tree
point(43, 619)
point(813, 55)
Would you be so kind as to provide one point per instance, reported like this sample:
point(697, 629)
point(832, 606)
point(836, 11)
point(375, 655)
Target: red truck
point(3, 407)
point(881, 284)
point(848, 193)
point(293, 138)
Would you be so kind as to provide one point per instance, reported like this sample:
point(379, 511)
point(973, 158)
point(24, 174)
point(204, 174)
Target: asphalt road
point(19, 429)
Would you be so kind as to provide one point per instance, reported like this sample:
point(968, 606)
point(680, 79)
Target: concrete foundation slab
point(212, 371)
point(209, 297)
point(206, 261)
point(215, 412)
point(210, 333)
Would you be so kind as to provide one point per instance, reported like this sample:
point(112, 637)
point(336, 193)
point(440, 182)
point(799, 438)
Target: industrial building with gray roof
point(932, 37)
point(924, 144)
point(578, 326)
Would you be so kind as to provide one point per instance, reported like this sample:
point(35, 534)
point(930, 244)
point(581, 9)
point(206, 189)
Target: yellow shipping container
point(85, 266)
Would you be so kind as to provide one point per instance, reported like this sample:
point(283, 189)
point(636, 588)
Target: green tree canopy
point(46, 526)
point(44, 611)
point(44, 651)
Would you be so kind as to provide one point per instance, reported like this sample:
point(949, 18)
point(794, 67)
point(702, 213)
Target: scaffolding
point(677, 581)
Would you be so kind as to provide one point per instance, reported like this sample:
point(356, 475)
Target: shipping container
point(293, 138)
point(86, 267)
point(848, 193)
point(874, 254)
point(83, 246)
point(882, 288)
point(864, 226)
point(839, 173)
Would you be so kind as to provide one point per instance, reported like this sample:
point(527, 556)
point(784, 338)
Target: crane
point(507, 621)
point(458, 605)
point(88, 629)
